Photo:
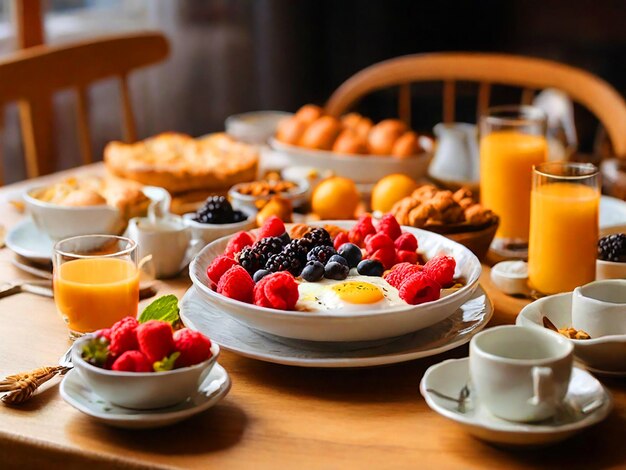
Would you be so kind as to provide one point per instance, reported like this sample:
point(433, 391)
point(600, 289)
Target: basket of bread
point(352, 145)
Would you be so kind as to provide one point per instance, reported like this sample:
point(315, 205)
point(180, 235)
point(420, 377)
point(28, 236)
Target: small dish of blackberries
point(611, 262)
point(217, 218)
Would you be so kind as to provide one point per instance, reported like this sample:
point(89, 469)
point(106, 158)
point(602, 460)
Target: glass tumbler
point(96, 281)
point(564, 210)
point(512, 140)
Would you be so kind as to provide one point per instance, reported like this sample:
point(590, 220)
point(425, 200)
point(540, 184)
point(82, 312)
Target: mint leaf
point(164, 308)
point(167, 363)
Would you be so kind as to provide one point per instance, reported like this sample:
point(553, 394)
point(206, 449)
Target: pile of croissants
point(349, 134)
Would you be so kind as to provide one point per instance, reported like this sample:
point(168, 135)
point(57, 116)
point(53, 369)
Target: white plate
point(231, 335)
point(449, 377)
point(605, 355)
point(337, 324)
point(25, 239)
point(76, 393)
point(360, 168)
point(612, 212)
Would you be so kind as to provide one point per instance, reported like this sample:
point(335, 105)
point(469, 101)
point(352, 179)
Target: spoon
point(547, 323)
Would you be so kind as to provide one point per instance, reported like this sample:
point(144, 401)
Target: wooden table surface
point(274, 416)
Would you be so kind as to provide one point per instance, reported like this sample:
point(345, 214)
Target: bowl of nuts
point(456, 215)
point(252, 196)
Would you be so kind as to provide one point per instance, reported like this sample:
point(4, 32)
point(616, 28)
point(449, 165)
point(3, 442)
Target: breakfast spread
point(180, 163)
point(431, 208)
point(352, 134)
point(127, 197)
point(308, 269)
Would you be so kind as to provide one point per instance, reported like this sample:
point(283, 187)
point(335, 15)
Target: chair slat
point(484, 95)
point(448, 101)
point(404, 103)
point(38, 136)
point(130, 133)
point(84, 129)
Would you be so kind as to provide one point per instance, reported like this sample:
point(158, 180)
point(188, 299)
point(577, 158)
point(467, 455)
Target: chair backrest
point(531, 74)
point(32, 75)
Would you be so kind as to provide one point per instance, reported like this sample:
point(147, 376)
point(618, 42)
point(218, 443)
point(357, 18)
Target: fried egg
point(352, 294)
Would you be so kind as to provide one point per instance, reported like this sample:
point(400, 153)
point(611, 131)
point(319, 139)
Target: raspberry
point(362, 229)
point(419, 288)
point(272, 227)
point(124, 336)
point(406, 241)
point(386, 255)
point(155, 339)
point(406, 256)
point(401, 272)
point(104, 333)
point(218, 267)
point(441, 269)
point(380, 240)
point(237, 243)
point(278, 290)
point(340, 239)
point(236, 284)
point(193, 346)
point(132, 361)
point(390, 226)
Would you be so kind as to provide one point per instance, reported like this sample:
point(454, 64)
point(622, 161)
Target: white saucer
point(25, 239)
point(231, 335)
point(76, 393)
point(449, 378)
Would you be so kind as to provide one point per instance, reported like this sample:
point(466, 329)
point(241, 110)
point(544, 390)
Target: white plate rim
point(352, 362)
point(16, 247)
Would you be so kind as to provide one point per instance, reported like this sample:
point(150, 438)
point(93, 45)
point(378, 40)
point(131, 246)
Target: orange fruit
point(335, 198)
point(390, 190)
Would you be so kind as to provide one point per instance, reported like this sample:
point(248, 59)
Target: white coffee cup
point(520, 373)
point(599, 308)
point(166, 239)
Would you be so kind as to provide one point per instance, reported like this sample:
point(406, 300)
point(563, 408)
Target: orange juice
point(506, 161)
point(94, 293)
point(563, 236)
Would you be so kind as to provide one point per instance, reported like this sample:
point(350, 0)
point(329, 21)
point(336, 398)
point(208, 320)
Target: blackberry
point(217, 210)
point(319, 236)
point(613, 248)
point(285, 238)
point(268, 246)
point(282, 262)
point(251, 260)
point(297, 249)
point(321, 253)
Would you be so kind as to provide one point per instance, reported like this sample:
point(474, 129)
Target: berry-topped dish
point(336, 280)
point(611, 263)
point(217, 218)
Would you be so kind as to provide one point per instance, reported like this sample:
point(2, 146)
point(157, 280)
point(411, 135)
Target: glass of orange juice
point(96, 281)
point(512, 140)
point(563, 226)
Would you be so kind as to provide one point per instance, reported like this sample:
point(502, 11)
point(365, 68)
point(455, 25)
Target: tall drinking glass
point(96, 281)
point(563, 226)
point(512, 141)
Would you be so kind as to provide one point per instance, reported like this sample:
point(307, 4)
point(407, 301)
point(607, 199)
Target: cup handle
point(543, 385)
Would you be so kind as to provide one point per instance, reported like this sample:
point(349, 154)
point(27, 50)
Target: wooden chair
point(32, 75)
point(487, 69)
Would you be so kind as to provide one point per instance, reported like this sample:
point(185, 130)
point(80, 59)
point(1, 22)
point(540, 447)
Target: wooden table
point(274, 416)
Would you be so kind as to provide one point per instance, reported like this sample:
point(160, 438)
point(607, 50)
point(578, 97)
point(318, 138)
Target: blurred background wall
point(231, 56)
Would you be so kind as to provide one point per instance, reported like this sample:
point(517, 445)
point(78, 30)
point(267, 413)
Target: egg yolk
point(358, 292)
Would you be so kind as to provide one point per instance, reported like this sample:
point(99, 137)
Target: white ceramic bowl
point(604, 354)
point(338, 325)
point(360, 168)
point(59, 222)
point(142, 390)
point(610, 269)
point(206, 233)
point(254, 127)
point(247, 203)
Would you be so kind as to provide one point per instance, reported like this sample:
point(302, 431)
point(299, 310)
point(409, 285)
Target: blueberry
point(285, 238)
point(370, 267)
point(313, 271)
point(338, 259)
point(260, 274)
point(335, 270)
point(351, 253)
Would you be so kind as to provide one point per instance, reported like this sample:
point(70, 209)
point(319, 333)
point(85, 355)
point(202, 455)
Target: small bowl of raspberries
point(216, 219)
point(144, 365)
point(611, 263)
